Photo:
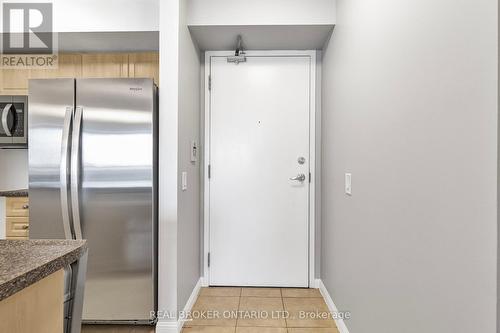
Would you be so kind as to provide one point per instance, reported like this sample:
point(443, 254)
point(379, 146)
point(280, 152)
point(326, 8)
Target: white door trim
point(312, 152)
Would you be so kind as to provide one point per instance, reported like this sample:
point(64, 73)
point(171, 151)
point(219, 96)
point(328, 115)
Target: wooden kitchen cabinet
point(17, 218)
point(17, 206)
point(84, 65)
point(144, 65)
point(17, 227)
point(37, 308)
point(14, 81)
point(69, 66)
point(112, 65)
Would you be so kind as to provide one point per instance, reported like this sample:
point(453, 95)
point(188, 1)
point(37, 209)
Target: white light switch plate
point(348, 184)
point(184, 181)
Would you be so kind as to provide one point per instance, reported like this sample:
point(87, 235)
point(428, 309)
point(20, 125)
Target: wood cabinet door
point(37, 308)
point(17, 227)
point(14, 81)
point(17, 207)
point(109, 65)
point(69, 66)
point(92, 65)
point(144, 65)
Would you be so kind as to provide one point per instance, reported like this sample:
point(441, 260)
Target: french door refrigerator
point(92, 175)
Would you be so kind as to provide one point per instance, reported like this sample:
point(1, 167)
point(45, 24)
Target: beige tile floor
point(258, 310)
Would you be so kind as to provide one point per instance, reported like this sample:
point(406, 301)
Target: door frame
point(311, 54)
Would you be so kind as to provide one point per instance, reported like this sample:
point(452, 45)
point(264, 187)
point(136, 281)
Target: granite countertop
point(14, 193)
point(25, 262)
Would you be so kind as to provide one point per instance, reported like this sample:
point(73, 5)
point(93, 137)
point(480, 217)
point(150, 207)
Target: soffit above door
point(261, 37)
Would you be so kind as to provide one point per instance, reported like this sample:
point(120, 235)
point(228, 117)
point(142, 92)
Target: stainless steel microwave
point(13, 121)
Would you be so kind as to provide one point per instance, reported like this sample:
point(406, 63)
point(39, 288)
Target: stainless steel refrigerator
point(93, 175)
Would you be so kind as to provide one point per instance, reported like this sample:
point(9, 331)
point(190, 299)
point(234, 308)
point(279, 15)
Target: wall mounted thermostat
point(194, 151)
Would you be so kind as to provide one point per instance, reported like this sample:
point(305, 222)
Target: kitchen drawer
point(17, 207)
point(16, 238)
point(17, 227)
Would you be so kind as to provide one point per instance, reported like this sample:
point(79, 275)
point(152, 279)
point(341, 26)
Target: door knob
point(300, 177)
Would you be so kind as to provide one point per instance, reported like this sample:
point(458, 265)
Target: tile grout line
point(287, 326)
point(238, 311)
point(283, 303)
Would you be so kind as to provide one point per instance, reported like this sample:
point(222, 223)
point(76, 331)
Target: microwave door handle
point(75, 172)
point(63, 172)
point(5, 114)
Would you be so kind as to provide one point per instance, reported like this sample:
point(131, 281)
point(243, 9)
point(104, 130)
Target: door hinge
point(208, 259)
point(210, 82)
point(209, 171)
point(310, 177)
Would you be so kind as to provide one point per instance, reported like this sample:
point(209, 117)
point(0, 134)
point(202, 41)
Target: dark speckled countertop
point(25, 262)
point(14, 193)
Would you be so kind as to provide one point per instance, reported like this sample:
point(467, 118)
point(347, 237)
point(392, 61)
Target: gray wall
point(168, 161)
point(317, 171)
point(188, 239)
point(410, 109)
point(179, 244)
point(498, 194)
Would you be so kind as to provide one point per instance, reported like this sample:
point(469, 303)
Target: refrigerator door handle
point(75, 172)
point(63, 172)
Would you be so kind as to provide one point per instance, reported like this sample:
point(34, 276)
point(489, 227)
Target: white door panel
point(259, 127)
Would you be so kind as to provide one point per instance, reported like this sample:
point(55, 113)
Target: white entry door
point(259, 171)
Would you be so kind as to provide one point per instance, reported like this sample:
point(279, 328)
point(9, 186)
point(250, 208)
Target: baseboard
point(331, 306)
point(167, 327)
point(176, 326)
point(190, 302)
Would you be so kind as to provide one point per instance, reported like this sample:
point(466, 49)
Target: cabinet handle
point(25, 227)
point(26, 206)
